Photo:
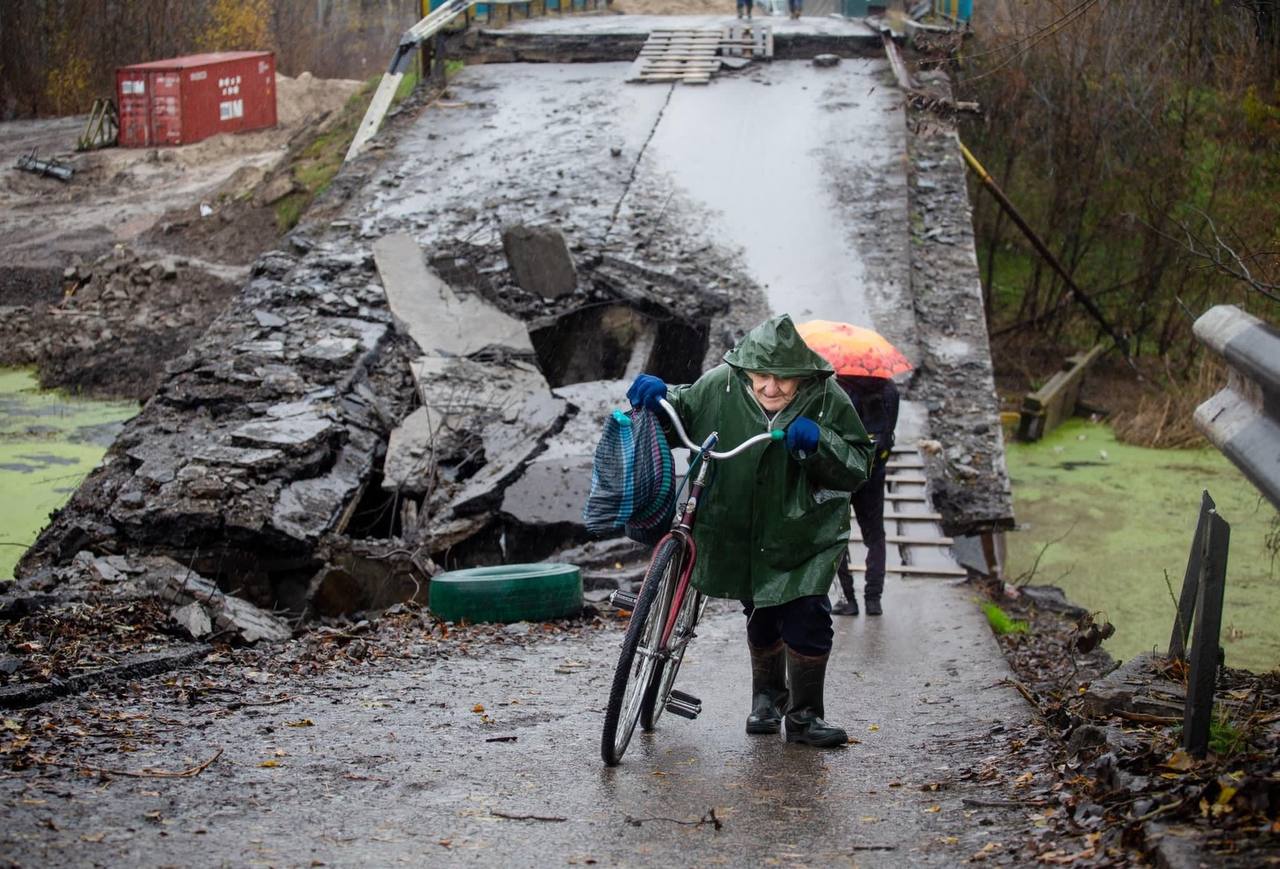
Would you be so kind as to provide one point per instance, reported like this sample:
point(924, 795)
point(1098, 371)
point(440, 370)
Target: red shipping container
point(186, 99)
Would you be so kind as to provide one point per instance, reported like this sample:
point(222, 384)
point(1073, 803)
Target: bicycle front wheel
point(639, 657)
point(664, 676)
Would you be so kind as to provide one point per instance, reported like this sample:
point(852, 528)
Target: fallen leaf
point(950, 840)
point(1180, 760)
point(479, 707)
point(873, 727)
point(302, 722)
point(10, 724)
point(93, 837)
point(933, 810)
point(269, 764)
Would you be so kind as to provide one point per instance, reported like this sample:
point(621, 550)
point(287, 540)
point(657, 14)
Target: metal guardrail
point(431, 24)
point(1243, 420)
point(400, 60)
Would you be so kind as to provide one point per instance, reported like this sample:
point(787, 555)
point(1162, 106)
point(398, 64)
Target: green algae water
point(1126, 515)
point(49, 441)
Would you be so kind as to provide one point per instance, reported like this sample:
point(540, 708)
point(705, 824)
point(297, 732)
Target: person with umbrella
point(774, 522)
point(865, 364)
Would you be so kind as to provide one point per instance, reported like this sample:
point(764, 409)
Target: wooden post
point(1206, 652)
point(1190, 583)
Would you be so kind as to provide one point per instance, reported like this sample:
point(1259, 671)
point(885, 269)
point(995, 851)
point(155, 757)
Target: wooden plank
point(913, 517)
point(905, 465)
point(1045, 408)
point(905, 478)
point(905, 496)
point(900, 540)
point(912, 570)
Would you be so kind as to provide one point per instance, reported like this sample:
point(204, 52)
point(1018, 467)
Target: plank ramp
point(692, 56)
point(920, 550)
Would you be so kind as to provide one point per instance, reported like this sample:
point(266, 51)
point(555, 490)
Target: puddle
point(49, 441)
point(1126, 515)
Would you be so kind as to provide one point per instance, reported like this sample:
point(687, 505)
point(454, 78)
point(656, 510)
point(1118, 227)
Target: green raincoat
point(771, 526)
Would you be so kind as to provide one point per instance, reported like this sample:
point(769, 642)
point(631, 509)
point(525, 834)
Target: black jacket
point(876, 400)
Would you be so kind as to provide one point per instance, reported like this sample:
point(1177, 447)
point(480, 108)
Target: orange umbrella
point(853, 349)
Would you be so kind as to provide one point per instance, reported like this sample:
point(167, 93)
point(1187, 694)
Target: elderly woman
point(775, 521)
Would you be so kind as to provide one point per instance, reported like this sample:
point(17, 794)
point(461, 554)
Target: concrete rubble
point(196, 605)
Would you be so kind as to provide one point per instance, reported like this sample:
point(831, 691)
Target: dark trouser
point(868, 509)
point(744, 6)
point(804, 624)
point(794, 6)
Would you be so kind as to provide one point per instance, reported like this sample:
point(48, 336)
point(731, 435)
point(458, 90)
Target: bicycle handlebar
point(774, 435)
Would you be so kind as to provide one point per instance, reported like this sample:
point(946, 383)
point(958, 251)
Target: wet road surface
point(395, 765)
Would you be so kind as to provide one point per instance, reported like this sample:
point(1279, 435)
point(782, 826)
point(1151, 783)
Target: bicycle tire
point(664, 675)
point(644, 618)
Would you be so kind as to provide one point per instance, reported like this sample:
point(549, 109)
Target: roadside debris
point(46, 168)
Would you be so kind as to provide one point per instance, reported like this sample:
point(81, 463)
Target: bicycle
point(664, 614)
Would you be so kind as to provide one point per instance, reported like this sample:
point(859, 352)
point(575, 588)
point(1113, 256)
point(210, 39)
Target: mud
point(107, 328)
point(118, 194)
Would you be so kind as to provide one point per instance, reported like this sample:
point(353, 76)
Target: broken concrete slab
point(173, 582)
point(554, 487)
point(540, 259)
point(308, 508)
point(408, 464)
point(193, 619)
point(297, 434)
point(440, 321)
point(509, 444)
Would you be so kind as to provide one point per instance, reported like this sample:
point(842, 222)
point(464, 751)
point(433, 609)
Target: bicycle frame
point(683, 526)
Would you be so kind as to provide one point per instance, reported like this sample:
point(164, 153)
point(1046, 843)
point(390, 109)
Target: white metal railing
point(1243, 420)
point(409, 42)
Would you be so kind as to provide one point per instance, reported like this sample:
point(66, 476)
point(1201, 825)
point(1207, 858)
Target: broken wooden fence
point(1046, 408)
point(1200, 616)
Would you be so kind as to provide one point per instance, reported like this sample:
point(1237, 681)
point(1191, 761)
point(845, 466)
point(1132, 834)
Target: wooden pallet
point(693, 56)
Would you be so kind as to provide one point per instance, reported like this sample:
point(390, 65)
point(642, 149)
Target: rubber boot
point(768, 688)
point(804, 715)
point(850, 605)
point(873, 605)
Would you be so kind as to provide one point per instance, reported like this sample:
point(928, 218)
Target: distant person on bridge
point(794, 7)
point(876, 400)
point(774, 523)
point(744, 5)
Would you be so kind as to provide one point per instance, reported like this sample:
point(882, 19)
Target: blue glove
point(647, 391)
point(802, 435)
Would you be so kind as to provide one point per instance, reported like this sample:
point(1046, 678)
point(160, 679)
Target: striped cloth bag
point(633, 484)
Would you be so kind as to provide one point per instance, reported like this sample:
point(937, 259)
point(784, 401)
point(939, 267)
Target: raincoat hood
point(775, 347)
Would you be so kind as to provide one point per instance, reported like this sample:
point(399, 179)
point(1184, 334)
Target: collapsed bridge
point(416, 381)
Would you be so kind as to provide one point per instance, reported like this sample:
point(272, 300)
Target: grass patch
point(1001, 622)
point(1225, 738)
point(316, 164)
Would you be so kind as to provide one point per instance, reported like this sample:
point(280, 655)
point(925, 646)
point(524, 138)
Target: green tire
point(508, 593)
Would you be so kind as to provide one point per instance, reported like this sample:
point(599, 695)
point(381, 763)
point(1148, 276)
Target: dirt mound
point(121, 320)
point(305, 98)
